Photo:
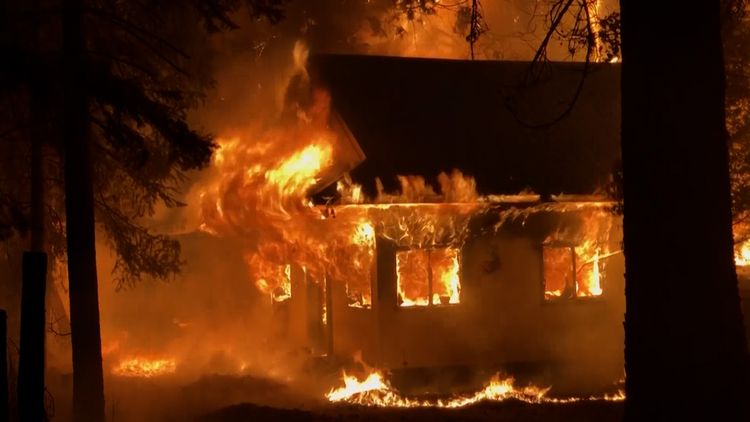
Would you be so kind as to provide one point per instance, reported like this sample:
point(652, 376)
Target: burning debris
point(141, 367)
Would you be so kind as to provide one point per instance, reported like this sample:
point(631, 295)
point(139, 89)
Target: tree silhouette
point(685, 351)
point(113, 97)
point(736, 42)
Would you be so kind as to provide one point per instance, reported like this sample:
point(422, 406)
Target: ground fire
point(145, 367)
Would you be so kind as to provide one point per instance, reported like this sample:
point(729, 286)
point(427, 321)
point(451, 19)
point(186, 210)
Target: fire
point(428, 276)
point(445, 272)
point(277, 283)
point(139, 367)
point(374, 390)
point(574, 260)
point(352, 386)
point(295, 175)
point(361, 253)
point(558, 271)
point(412, 270)
point(364, 234)
point(351, 193)
point(588, 275)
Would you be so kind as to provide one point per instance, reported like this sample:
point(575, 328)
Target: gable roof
point(424, 116)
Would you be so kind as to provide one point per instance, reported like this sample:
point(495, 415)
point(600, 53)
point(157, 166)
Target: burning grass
point(374, 390)
point(141, 367)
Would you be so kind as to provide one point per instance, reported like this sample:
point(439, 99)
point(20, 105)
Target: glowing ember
point(144, 368)
point(364, 234)
point(742, 254)
point(361, 254)
point(375, 391)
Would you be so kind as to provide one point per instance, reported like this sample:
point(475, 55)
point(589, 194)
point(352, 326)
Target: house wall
point(502, 320)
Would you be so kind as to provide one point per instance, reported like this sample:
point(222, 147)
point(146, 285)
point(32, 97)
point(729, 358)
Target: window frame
point(430, 289)
point(569, 294)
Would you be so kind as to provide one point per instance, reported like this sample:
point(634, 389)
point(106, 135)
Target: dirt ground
point(504, 411)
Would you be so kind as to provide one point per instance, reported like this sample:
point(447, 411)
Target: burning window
point(276, 282)
point(558, 271)
point(359, 266)
point(571, 271)
point(358, 293)
point(588, 270)
point(428, 277)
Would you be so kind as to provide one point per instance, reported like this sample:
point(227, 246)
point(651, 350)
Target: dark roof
point(424, 116)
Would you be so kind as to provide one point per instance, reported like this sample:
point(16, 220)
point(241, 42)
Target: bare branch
point(541, 52)
point(132, 27)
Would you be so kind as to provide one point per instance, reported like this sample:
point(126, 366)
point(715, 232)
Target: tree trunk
point(4, 400)
point(37, 203)
point(685, 352)
point(88, 385)
point(31, 366)
point(33, 330)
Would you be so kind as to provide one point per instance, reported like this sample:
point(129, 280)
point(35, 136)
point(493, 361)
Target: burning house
point(510, 258)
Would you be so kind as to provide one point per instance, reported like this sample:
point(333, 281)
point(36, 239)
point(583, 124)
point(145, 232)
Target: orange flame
point(591, 240)
point(742, 254)
point(374, 390)
point(588, 274)
point(140, 367)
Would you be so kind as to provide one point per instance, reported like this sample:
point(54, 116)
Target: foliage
point(416, 9)
point(576, 31)
point(145, 67)
point(609, 35)
point(736, 42)
point(469, 17)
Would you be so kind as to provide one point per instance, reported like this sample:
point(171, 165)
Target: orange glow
point(412, 276)
point(139, 367)
point(297, 173)
point(361, 256)
point(445, 276)
point(588, 275)
point(558, 271)
point(352, 386)
point(364, 234)
point(742, 254)
point(424, 274)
